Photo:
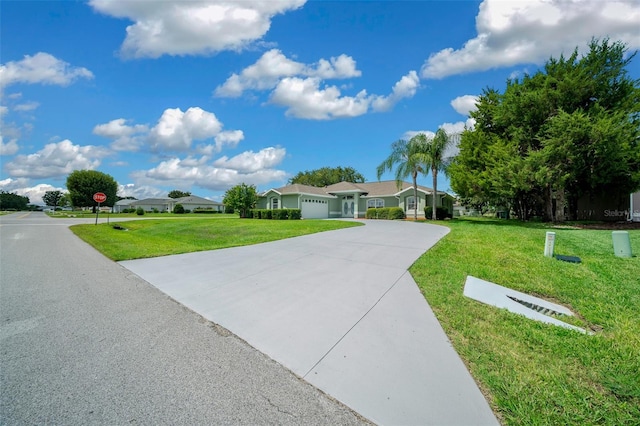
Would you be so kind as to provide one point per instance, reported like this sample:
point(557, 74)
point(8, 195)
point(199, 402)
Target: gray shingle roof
point(369, 189)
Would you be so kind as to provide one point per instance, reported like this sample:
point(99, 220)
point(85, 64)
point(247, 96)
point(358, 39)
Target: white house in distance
point(191, 202)
point(346, 199)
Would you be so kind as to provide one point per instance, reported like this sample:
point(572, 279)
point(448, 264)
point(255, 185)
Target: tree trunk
point(415, 196)
point(548, 204)
point(560, 201)
point(434, 172)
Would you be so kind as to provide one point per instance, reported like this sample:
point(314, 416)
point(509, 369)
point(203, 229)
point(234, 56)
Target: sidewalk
point(340, 310)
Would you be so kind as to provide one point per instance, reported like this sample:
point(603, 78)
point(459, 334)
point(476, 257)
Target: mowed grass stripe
point(532, 373)
point(158, 237)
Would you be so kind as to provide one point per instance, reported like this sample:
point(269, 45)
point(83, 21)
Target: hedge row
point(385, 213)
point(276, 214)
point(441, 213)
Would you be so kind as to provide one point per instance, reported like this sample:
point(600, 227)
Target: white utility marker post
point(549, 244)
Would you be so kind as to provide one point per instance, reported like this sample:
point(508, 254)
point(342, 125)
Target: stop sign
point(99, 197)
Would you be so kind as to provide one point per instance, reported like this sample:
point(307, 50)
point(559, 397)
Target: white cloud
point(27, 106)
point(251, 162)
point(304, 99)
point(405, 88)
point(41, 68)
point(518, 32)
point(273, 65)
point(176, 27)
point(8, 148)
point(125, 137)
point(56, 160)
point(140, 192)
point(22, 188)
point(176, 130)
point(3, 110)
point(256, 168)
point(465, 104)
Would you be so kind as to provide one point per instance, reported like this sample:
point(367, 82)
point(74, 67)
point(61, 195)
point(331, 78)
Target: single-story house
point(346, 199)
point(191, 202)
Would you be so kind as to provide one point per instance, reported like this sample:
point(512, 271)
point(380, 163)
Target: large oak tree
point(82, 184)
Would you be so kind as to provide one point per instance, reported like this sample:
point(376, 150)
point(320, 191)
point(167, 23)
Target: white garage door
point(315, 209)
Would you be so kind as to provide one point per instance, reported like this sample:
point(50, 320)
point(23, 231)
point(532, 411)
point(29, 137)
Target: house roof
point(125, 202)
point(152, 201)
point(387, 188)
point(194, 199)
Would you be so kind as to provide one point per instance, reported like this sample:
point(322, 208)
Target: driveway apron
point(340, 310)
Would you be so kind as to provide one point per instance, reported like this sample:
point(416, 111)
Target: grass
point(160, 237)
point(532, 373)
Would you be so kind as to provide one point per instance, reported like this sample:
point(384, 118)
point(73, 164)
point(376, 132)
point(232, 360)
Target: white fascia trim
point(306, 194)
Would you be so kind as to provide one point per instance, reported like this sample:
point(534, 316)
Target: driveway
point(340, 310)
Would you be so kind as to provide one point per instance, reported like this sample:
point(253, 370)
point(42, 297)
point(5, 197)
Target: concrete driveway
point(340, 310)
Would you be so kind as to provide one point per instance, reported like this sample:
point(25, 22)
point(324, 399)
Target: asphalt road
point(84, 341)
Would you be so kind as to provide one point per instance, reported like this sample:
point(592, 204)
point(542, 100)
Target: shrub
point(178, 209)
point(155, 210)
point(390, 213)
point(265, 214)
point(228, 209)
point(280, 214)
point(207, 210)
point(140, 211)
point(441, 213)
point(396, 213)
point(295, 214)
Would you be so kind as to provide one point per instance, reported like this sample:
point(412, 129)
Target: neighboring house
point(352, 200)
point(122, 205)
point(191, 202)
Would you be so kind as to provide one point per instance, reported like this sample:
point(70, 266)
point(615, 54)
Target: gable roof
point(194, 199)
point(387, 188)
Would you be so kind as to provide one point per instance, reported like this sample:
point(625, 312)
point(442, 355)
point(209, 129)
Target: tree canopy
point(176, 193)
point(82, 184)
point(326, 176)
point(12, 201)
point(53, 198)
point(409, 158)
point(570, 130)
point(241, 198)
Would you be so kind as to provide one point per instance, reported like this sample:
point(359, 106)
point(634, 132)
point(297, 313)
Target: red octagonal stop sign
point(99, 197)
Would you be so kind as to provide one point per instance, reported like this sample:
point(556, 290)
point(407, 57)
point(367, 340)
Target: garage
point(315, 209)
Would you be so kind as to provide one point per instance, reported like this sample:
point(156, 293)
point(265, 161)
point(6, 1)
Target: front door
point(348, 206)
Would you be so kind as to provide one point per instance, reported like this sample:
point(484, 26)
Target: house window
point(376, 203)
point(411, 203)
point(274, 203)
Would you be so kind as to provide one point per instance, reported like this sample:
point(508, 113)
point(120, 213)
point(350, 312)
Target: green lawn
point(532, 373)
point(160, 237)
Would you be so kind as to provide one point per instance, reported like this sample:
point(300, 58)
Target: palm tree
point(410, 158)
point(435, 160)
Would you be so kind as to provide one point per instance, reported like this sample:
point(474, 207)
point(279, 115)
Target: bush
point(441, 213)
point(228, 209)
point(140, 211)
point(280, 214)
point(178, 209)
point(390, 213)
point(207, 210)
point(396, 213)
point(155, 210)
point(295, 214)
point(265, 214)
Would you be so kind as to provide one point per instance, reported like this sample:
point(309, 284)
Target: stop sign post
point(99, 197)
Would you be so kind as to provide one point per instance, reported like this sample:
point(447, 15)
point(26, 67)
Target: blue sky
point(203, 95)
